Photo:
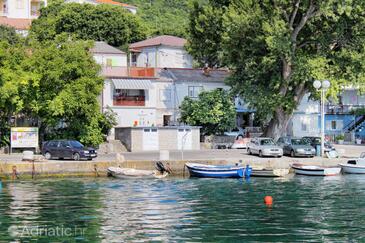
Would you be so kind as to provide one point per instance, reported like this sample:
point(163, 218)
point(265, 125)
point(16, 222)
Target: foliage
point(358, 112)
point(340, 137)
point(55, 83)
point(104, 22)
point(205, 32)
point(213, 110)
point(163, 17)
point(276, 50)
point(9, 35)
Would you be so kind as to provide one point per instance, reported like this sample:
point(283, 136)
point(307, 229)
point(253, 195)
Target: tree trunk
point(278, 124)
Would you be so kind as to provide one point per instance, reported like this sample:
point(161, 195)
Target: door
point(65, 150)
point(184, 139)
point(150, 139)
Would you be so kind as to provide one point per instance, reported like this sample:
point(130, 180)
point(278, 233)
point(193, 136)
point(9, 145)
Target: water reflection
point(201, 210)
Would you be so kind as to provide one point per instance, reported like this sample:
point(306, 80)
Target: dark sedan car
point(314, 141)
point(67, 149)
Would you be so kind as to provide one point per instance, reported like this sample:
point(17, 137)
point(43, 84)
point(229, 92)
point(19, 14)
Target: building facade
point(160, 52)
point(20, 13)
point(341, 117)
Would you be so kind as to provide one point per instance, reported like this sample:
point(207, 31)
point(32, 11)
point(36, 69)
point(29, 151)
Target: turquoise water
point(176, 209)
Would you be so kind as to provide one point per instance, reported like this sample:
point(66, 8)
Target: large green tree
point(213, 110)
point(56, 85)
point(276, 49)
point(9, 34)
point(112, 24)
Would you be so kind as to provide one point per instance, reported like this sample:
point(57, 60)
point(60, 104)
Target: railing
point(353, 124)
point(341, 109)
point(117, 71)
point(129, 101)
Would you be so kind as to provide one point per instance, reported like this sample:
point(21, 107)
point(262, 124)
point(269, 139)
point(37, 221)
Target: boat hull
point(316, 170)
point(352, 169)
point(269, 172)
point(210, 171)
point(127, 173)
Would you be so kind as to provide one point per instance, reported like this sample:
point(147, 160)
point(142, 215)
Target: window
point(334, 125)
point(304, 126)
point(165, 94)
point(109, 62)
point(193, 91)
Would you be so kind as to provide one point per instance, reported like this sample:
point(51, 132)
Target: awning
point(132, 83)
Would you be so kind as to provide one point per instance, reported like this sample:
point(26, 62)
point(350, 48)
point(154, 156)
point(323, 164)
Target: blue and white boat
point(218, 171)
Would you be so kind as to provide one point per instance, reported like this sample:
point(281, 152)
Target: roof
point(167, 40)
point(104, 48)
point(19, 24)
point(193, 75)
point(116, 3)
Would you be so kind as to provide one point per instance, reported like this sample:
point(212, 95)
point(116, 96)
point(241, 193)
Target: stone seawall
point(62, 168)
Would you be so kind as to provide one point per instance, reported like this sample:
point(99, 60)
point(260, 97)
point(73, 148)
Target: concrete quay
point(12, 164)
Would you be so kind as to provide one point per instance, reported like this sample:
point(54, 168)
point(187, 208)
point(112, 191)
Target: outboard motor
point(161, 167)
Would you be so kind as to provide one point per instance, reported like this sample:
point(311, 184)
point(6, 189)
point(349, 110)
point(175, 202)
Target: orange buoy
point(268, 200)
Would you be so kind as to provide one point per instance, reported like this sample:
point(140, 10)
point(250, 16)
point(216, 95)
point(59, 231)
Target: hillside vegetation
point(168, 17)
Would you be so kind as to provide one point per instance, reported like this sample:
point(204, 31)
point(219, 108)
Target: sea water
point(315, 209)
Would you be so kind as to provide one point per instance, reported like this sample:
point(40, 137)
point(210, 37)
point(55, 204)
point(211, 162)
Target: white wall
point(118, 60)
point(20, 9)
point(305, 119)
point(164, 56)
point(126, 116)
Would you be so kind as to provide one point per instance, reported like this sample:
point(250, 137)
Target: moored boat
point(218, 171)
point(125, 173)
point(269, 172)
point(354, 166)
point(314, 170)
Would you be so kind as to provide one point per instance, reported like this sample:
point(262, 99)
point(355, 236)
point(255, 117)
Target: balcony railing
point(108, 71)
point(341, 109)
point(129, 100)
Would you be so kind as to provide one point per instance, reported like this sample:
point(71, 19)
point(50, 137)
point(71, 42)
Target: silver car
point(296, 147)
point(264, 147)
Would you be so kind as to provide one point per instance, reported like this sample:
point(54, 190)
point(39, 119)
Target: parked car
point(314, 141)
point(67, 149)
point(240, 143)
point(236, 132)
point(264, 147)
point(296, 147)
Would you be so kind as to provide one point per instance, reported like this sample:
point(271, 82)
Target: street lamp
point(323, 86)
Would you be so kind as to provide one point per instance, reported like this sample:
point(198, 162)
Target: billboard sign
point(24, 137)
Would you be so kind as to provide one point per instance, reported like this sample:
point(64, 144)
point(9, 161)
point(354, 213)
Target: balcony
point(341, 109)
point(35, 6)
point(136, 72)
point(119, 100)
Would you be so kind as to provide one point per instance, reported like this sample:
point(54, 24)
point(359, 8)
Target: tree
point(163, 17)
point(56, 84)
point(205, 33)
point(8, 34)
point(213, 110)
point(277, 48)
point(112, 24)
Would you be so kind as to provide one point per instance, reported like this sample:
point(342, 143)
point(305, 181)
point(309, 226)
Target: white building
point(19, 13)
point(149, 96)
point(131, 8)
point(161, 52)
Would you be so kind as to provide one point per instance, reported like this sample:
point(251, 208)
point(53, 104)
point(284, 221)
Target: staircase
point(355, 125)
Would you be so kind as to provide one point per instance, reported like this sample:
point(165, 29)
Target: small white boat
point(355, 166)
point(125, 173)
point(269, 172)
point(314, 170)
